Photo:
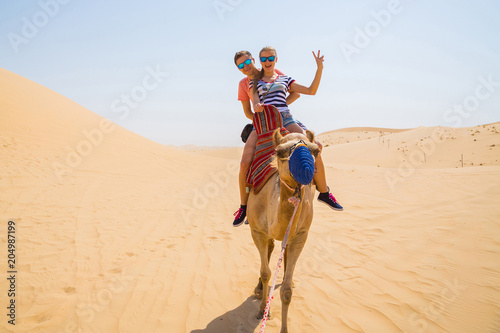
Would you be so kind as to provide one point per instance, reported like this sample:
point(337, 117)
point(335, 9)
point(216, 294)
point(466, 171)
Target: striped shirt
point(274, 93)
point(244, 87)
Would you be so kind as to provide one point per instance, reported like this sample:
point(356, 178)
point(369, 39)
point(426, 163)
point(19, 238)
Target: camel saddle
point(261, 169)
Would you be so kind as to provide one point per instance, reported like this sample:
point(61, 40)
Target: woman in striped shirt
point(268, 87)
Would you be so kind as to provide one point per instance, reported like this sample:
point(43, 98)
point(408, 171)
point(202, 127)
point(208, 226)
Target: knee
point(265, 277)
point(245, 165)
point(320, 145)
point(286, 295)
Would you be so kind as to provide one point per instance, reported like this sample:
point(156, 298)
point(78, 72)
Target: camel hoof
point(260, 315)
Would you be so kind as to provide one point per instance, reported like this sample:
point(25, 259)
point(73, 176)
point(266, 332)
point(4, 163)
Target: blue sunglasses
point(264, 59)
point(246, 62)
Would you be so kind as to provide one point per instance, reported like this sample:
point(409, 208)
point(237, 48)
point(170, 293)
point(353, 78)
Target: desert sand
point(116, 233)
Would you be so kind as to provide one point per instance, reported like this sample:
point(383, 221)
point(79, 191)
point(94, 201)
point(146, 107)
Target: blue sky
point(164, 69)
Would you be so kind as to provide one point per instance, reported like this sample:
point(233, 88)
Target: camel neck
point(286, 207)
point(284, 213)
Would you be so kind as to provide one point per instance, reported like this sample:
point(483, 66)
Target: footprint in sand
point(116, 270)
point(69, 290)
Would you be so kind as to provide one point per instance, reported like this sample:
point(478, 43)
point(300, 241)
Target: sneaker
point(328, 199)
point(240, 215)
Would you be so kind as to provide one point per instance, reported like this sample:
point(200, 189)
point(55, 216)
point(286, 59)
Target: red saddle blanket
point(265, 123)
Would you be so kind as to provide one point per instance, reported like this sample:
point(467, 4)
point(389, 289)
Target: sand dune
point(116, 233)
point(424, 147)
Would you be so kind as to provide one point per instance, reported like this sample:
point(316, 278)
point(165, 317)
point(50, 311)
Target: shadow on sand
point(242, 319)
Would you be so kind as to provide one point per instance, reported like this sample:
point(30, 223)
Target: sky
point(165, 69)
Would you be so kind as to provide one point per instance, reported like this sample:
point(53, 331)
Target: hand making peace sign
point(319, 59)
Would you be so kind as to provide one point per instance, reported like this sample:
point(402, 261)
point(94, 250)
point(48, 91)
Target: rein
point(295, 200)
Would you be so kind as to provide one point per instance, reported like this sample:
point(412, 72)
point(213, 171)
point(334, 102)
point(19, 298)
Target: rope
point(295, 201)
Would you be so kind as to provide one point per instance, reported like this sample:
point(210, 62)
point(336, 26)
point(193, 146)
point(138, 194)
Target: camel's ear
point(310, 135)
point(277, 137)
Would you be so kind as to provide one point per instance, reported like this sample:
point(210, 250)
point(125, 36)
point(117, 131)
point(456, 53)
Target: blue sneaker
point(239, 218)
point(328, 199)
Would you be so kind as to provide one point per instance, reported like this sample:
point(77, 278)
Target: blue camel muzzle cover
point(301, 165)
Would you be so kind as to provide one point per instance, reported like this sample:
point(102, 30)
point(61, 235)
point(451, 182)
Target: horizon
point(388, 64)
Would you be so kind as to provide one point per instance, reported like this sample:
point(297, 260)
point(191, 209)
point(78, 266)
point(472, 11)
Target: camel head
point(296, 154)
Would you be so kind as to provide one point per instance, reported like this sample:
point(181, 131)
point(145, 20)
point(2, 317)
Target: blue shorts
point(288, 119)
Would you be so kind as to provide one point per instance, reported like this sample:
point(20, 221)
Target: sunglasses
point(246, 62)
point(264, 59)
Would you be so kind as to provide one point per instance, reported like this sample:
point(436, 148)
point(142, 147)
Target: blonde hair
point(259, 76)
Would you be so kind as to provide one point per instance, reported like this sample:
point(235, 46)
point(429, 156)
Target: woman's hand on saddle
point(319, 59)
point(258, 107)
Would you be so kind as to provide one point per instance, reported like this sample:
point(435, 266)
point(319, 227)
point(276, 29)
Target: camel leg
point(262, 241)
point(258, 290)
point(284, 259)
point(284, 264)
point(270, 248)
point(293, 250)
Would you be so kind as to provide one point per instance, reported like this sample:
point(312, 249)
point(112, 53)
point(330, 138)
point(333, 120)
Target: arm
point(313, 88)
point(257, 106)
point(247, 109)
point(245, 97)
point(292, 97)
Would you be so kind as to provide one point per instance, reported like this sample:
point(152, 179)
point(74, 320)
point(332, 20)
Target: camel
point(269, 213)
